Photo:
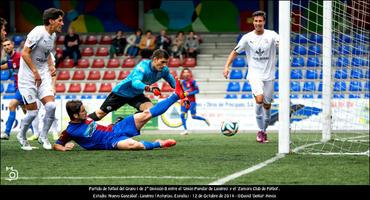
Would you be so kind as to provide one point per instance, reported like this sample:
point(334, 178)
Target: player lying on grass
point(91, 136)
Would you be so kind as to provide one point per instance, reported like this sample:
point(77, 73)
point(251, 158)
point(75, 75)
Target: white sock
point(48, 118)
point(259, 116)
point(54, 126)
point(35, 126)
point(26, 122)
point(267, 118)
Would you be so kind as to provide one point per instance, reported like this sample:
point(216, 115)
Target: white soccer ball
point(229, 128)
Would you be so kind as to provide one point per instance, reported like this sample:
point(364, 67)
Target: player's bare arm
point(4, 66)
point(67, 147)
point(233, 54)
point(53, 72)
point(26, 55)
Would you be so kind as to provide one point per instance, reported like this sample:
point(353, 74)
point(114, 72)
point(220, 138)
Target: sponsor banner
point(347, 114)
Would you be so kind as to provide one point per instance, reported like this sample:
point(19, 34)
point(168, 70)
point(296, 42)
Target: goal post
point(324, 76)
point(284, 78)
point(326, 69)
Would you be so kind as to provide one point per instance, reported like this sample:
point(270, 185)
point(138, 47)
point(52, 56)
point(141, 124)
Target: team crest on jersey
point(260, 52)
point(140, 69)
point(266, 40)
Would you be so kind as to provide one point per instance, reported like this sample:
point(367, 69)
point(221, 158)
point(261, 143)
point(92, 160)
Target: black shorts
point(113, 102)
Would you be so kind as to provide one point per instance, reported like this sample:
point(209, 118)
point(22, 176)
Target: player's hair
point(186, 69)
point(139, 29)
point(51, 13)
point(259, 13)
point(160, 53)
point(73, 107)
point(5, 40)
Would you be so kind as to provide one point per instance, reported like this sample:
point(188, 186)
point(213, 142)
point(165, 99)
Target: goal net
point(329, 77)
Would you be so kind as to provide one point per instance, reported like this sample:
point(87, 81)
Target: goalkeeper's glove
point(185, 102)
point(155, 90)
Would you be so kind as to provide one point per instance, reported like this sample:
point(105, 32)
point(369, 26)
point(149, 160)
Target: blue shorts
point(18, 97)
point(193, 108)
point(123, 130)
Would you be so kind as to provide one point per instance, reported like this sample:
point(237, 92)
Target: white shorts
point(265, 88)
point(30, 92)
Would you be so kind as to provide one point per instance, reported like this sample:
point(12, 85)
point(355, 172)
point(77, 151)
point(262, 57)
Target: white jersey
point(41, 43)
point(261, 54)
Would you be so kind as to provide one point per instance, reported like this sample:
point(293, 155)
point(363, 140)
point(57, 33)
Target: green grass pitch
point(197, 159)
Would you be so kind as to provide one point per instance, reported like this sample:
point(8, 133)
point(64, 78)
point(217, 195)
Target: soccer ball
point(229, 128)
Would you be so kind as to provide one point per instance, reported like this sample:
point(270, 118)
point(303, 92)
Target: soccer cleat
point(26, 146)
point(45, 143)
point(179, 90)
point(260, 136)
point(265, 140)
point(207, 122)
point(33, 137)
point(24, 143)
point(4, 136)
point(184, 132)
point(168, 143)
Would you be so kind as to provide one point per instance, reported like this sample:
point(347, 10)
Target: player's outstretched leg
point(200, 118)
point(130, 144)
point(162, 106)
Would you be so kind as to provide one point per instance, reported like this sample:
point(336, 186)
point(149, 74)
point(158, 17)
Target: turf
point(197, 159)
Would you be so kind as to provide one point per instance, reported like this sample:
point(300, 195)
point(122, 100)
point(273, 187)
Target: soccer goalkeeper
point(131, 89)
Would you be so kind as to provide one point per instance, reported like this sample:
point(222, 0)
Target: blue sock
point(198, 117)
point(162, 106)
point(183, 119)
point(9, 122)
point(150, 145)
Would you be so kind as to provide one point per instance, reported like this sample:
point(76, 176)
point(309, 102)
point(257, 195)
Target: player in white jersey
point(260, 47)
point(36, 72)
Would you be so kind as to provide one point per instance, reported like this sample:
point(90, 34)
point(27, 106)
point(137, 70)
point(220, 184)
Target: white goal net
point(343, 128)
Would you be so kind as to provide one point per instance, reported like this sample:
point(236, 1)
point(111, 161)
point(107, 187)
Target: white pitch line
point(255, 167)
point(110, 177)
point(230, 177)
point(246, 171)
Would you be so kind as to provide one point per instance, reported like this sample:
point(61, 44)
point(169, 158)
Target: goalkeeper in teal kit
point(141, 78)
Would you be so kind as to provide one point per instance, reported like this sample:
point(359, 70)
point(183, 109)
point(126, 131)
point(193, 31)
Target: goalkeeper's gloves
point(155, 90)
point(185, 102)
